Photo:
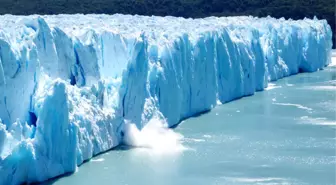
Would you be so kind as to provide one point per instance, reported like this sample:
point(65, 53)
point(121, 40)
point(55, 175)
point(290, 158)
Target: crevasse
point(68, 83)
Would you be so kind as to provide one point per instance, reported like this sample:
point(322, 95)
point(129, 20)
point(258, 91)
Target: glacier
point(72, 85)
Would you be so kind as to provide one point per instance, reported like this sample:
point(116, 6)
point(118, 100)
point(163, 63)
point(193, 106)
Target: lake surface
point(284, 135)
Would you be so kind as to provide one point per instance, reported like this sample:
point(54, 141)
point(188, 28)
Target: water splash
point(155, 137)
point(272, 86)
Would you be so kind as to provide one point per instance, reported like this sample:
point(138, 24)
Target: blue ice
point(69, 83)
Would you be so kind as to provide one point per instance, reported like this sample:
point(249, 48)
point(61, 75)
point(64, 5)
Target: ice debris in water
point(68, 83)
point(155, 135)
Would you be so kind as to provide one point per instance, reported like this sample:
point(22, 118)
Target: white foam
point(155, 136)
point(295, 105)
point(255, 180)
point(333, 61)
point(333, 58)
point(98, 160)
point(317, 121)
point(195, 140)
point(272, 86)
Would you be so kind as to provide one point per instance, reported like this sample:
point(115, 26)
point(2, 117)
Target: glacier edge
point(69, 83)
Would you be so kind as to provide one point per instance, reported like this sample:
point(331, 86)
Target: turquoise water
point(284, 135)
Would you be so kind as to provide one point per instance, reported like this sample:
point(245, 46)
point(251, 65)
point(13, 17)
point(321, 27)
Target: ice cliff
point(70, 83)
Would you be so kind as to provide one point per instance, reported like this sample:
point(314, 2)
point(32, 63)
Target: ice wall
point(69, 83)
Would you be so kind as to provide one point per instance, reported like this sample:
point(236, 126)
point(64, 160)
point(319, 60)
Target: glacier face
point(69, 83)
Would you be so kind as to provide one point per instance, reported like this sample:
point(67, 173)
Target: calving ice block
point(70, 83)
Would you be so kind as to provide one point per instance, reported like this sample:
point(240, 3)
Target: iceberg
point(72, 86)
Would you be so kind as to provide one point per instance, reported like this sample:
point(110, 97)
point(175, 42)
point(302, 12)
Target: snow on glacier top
point(162, 29)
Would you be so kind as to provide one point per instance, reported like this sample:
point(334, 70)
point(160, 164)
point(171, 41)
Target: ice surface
point(73, 86)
